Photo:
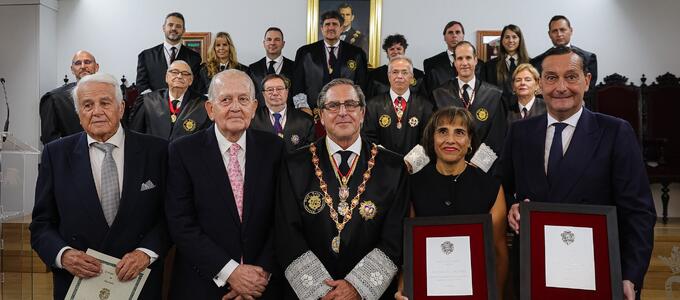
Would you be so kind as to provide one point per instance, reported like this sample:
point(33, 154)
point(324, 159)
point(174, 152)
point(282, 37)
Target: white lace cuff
point(306, 275)
point(300, 101)
point(417, 158)
point(372, 275)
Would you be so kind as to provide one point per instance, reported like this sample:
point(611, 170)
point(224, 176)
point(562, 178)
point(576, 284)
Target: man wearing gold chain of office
point(342, 202)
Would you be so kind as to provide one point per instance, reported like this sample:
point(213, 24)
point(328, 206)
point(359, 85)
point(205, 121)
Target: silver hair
point(221, 76)
point(179, 61)
point(100, 78)
point(336, 82)
point(397, 58)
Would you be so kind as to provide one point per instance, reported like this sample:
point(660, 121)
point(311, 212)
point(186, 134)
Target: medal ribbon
point(173, 110)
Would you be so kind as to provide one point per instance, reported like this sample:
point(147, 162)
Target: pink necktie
point(236, 178)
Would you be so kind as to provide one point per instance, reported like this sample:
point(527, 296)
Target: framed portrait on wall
point(361, 27)
point(488, 44)
point(197, 41)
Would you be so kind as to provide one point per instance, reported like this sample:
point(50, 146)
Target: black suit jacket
point(203, 219)
point(258, 70)
point(298, 131)
point(152, 66)
point(378, 82)
point(602, 165)
point(538, 108)
point(591, 62)
point(311, 71)
point(68, 212)
point(58, 117)
point(491, 77)
point(438, 70)
point(151, 114)
point(486, 108)
point(204, 79)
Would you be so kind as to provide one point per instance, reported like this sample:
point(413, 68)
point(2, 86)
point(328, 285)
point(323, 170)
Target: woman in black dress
point(221, 56)
point(449, 185)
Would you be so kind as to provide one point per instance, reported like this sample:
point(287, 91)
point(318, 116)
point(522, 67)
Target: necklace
point(335, 242)
point(343, 179)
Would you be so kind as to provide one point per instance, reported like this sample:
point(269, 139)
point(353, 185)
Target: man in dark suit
point(396, 118)
point(560, 31)
point(295, 127)
point(272, 63)
point(103, 189)
point(152, 63)
point(439, 68)
point(172, 112)
point(331, 245)
point(318, 63)
point(572, 155)
point(58, 117)
point(350, 34)
point(220, 205)
point(378, 82)
point(483, 100)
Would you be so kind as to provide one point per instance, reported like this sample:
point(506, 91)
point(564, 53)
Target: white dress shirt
point(167, 50)
point(470, 89)
point(283, 117)
point(221, 278)
point(507, 61)
point(278, 63)
point(567, 134)
point(334, 148)
point(180, 99)
point(450, 55)
point(529, 105)
point(394, 95)
point(328, 48)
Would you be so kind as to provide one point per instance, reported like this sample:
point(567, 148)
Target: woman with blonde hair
point(221, 56)
point(525, 81)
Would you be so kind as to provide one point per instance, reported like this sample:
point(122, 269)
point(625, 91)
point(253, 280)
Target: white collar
point(573, 120)
point(472, 82)
point(117, 139)
point(277, 60)
point(394, 95)
point(507, 58)
point(449, 54)
point(225, 144)
point(529, 104)
point(282, 112)
point(336, 45)
point(168, 46)
point(180, 98)
point(333, 147)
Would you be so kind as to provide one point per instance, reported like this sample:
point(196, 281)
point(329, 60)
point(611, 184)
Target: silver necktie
point(110, 193)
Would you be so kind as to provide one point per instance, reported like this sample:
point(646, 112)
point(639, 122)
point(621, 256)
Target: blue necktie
point(556, 152)
point(277, 124)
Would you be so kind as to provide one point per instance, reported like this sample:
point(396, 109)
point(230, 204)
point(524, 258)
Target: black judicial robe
point(304, 235)
point(311, 71)
point(378, 82)
point(486, 109)
point(439, 69)
point(538, 108)
point(299, 129)
point(258, 70)
point(151, 115)
point(380, 125)
point(58, 116)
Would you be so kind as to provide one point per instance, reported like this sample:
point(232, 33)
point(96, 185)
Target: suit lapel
point(133, 171)
point(249, 181)
point(583, 144)
point(535, 167)
point(81, 167)
point(217, 171)
point(159, 56)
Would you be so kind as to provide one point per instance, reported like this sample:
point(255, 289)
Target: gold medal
point(400, 113)
point(189, 125)
point(384, 121)
point(398, 125)
point(342, 208)
point(343, 193)
point(335, 244)
point(313, 203)
point(351, 64)
point(173, 118)
point(482, 114)
point(413, 121)
point(367, 210)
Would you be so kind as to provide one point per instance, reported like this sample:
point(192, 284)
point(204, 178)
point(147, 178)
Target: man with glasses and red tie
point(295, 127)
point(396, 119)
point(340, 209)
point(220, 200)
point(173, 112)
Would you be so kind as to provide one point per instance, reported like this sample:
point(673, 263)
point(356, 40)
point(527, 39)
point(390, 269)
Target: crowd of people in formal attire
point(289, 179)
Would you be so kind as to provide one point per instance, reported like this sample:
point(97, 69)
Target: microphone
point(6, 128)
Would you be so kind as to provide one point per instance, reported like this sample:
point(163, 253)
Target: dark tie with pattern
point(344, 164)
point(277, 124)
point(556, 152)
point(271, 70)
point(173, 54)
point(525, 112)
point(331, 59)
point(466, 96)
point(513, 66)
point(108, 185)
point(175, 103)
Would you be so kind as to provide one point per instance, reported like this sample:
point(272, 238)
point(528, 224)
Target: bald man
point(58, 117)
point(172, 112)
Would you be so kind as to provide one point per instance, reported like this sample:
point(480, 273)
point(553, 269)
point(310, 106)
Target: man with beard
point(153, 63)
point(58, 117)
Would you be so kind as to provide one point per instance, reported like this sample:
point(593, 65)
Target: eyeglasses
point(177, 72)
point(350, 105)
point(82, 62)
point(242, 101)
point(402, 73)
point(271, 90)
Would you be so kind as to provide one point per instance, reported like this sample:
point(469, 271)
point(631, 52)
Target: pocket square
point(147, 185)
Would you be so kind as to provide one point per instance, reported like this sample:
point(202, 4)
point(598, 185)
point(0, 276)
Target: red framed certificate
point(449, 257)
point(569, 251)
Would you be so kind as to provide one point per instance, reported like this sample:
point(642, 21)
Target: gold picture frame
point(198, 41)
point(374, 27)
point(487, 42)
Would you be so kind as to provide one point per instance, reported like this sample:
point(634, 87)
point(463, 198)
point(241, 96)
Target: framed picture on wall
point(488, 44)
point(197, 41)
point(361, 27)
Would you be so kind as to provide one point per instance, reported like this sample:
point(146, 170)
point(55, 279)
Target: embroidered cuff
point(417, 158)
point(372, 275)
point(306, 275)
point(300, 101)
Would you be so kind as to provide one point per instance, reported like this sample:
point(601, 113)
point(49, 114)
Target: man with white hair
point(172, 112)
point(220, 206)
point(102, 189)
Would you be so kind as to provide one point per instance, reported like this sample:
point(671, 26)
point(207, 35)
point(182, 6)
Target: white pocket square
point(147, 185)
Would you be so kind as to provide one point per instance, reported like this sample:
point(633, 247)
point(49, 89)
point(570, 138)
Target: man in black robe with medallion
point(396, 119)
point(341, 206)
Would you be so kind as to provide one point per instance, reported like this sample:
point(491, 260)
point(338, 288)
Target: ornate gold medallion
point(482, 114)
point(398, 125)
point(343, 206)
point(413, 121)
point(335, 244)
point(352, 64)
point(173, 118)
point(343, 192)
point(384, 121)
point(313, 202)
point(367, 210)
point(189, 125)
point(413, 82)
